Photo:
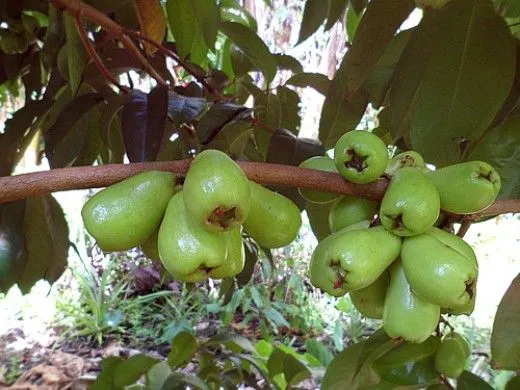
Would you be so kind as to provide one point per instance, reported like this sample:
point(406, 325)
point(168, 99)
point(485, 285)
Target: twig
point(95, 56)
point(78, 9)
point(201, 78)
point(467, 221)
point(63, 179)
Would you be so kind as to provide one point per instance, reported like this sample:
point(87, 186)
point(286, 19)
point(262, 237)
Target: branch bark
point(64, 179)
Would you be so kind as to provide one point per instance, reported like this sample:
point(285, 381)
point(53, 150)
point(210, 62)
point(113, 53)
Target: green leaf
point(469, 381)
point(505, 337)
point(275, 316)
point(314, 14)
point(341, 371)
point(232, 12)
point(264, 348)
point(217, 117)
point(53, 38)
point(319, 351)
point(46, 242)
point(209, 18)
point(131, 369)
point(275, 362)
point(232, 341)
point(241, 63)
point(178, 378)
point(378, 83)
point(318, 215)
point(12, 251)
point(318, 81)
point(105, 380)
point(381, 20)
point(269, 112)
point(232, 138)
point(340, 112)
point(500, 147)
point(157, 375)
point(352, 20)
point(294, 370)
point(290, 107)
point(252, 46)
point(76, 55)
point(288, 62)
point(478, 67)
point(336, 11)
point(184, 347)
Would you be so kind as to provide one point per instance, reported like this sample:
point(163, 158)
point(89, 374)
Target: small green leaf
point(232, 340)
point(269, 112)
point(295, 371)
point(252, 46)
point(352, 20)
point(319, 351)
point(105, 380)
point(318, 81)
point(275, 316)
point(290, 107)
point(131, 369)
point(288, 62)
point(341, 371)
point(76, 55)
point(505, 337)
point(184, 347)
point(336, 11)
point(209, 18)
point(469, 381)
point(264, 348)
point(275, 362)
point(176, 379)
point(232, 138)
point(314, 14)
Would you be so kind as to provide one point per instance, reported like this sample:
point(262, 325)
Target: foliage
point(447, 88)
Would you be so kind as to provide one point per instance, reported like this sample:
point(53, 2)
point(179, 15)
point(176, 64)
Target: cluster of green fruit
point(19, 34)
point(392, 259)
point(195, 230)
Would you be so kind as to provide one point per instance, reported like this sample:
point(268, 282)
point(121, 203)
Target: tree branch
point(64, 179)
point(78, 9)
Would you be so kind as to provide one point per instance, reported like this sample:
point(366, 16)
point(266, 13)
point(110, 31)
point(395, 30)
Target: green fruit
point(125, 214)
point(411, 203)
point(318, 219)
point(360, 157)
point(408, 363)
point(216, 191)
point(466, 188)
point(440, 267)
point(450, 358)
point(370, 300)
point(409, 159)
point(352, 259)
point(235, 258)
point(320, 163)
point(150, 246)
point(187, 251)
point(350, 210)
point(466, 309)
point(406, 315)
point(273, 220)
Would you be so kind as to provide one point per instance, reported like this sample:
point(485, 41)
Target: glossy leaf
point(294, 371)
point(288, 62)
point(157, 375)
point(152, 21)
point(336, 11)
point(240, 62)
point(500, 147)
point(341, 371)
point(318, 81)
point(478, 65)
point(76, 55)
point(131, 369)
point(469, 381)
point(252, 46)
point(352, 20)
point(184, 26)
point(314, 15)
point(505, 337)
point(219, 115)
point(232, 138)
point(381, 20)
point(184, 346)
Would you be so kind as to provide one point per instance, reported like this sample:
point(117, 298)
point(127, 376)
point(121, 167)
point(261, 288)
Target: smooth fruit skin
point(150, 246)
point(273, 220)
point(320, 163)
point(408, 363)
point(370, 300)
point(216, 191)
point(406, 315)
point(466, 309)
point(441, 267)
point(451, 356)
point(352, 259)
point(350, 210)
point(187, 251)
point(404, 159)
point(235, 258)
point(466, 188)
point(360, 156)
point(125, 214)
point(411, 204)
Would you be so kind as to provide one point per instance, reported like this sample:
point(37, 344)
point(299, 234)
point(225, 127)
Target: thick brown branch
point(95, 56)
point(62, 179)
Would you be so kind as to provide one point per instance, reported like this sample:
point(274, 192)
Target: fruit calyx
point(355, 160)
point(340, 272)
point(222, 217)
point(470, 288)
